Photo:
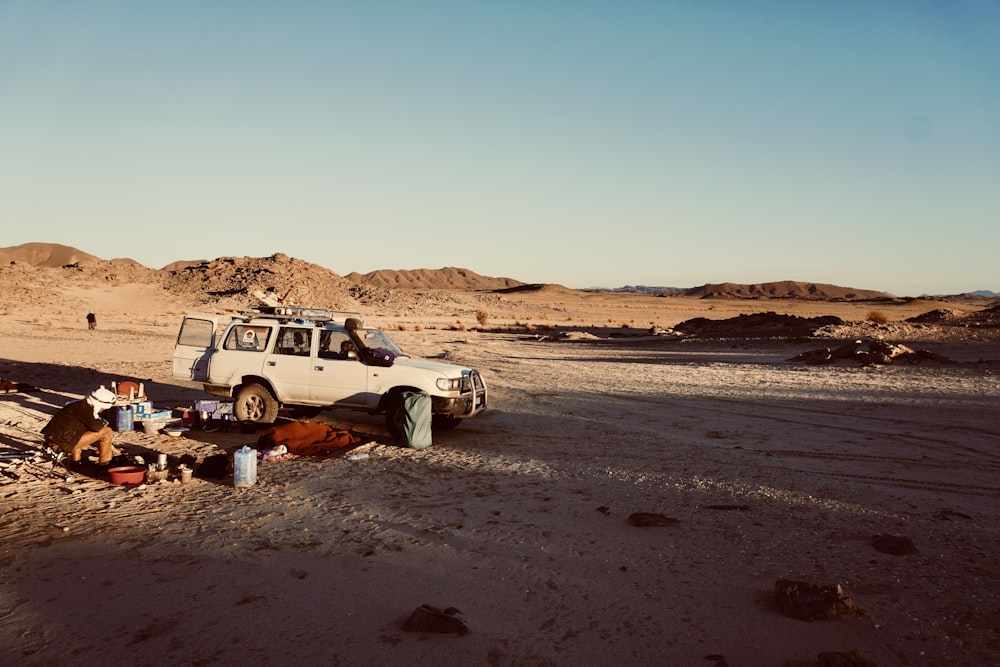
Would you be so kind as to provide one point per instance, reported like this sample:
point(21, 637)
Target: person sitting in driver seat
point(301, 346)
point(346, 348)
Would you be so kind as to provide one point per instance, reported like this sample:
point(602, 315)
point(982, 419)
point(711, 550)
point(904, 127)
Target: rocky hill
point(784, 289)
point(444, 278)
point(241, 281)
point(50, 255)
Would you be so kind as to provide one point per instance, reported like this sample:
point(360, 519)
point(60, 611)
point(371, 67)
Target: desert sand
point(519, 518)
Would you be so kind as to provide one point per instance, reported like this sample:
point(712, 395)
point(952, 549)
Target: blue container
point(124, 419)
point(244, 467)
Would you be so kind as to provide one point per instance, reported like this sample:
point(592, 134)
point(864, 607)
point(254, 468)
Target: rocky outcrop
point(877, 353)
point(756, 325)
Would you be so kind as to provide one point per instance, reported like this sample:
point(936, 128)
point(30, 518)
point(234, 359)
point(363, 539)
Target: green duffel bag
point(408, 417)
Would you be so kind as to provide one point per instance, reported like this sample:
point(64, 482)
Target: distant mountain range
point(782, 289)
point(53, 255)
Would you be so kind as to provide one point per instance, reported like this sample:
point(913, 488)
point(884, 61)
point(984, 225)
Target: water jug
point(244, 467)
point(124, 419)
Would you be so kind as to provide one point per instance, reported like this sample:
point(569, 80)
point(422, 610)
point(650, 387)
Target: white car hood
point(446, 370)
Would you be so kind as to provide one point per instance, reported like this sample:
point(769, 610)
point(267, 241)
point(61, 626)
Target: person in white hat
point(79, 425)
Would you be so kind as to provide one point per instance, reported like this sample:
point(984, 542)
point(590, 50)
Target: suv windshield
point(378, 338)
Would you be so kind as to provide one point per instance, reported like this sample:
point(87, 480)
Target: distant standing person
point(91, 320)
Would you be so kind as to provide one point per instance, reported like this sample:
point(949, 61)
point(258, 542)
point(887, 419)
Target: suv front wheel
point(254, 403)
point(395, 414)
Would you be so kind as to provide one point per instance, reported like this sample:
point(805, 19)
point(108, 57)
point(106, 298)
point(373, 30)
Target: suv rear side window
point(295, 341)
point(247, 338)
point(196, 333)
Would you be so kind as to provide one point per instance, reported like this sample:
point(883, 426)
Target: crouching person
point(79, 425)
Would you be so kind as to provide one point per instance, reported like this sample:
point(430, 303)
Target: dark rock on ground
point(806, 601)
point(651, 520)
point(893, 544)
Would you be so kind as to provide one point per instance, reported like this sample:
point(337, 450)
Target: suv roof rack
point(302, 314)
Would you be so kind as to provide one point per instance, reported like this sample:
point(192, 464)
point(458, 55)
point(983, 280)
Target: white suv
point(315, 358)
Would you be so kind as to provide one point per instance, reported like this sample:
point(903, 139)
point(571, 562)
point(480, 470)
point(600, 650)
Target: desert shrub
point(482, 317)
point(878, 317)
point(401, 327)
point(417, 327)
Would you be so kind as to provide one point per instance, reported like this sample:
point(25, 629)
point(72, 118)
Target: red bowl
point(127, 475)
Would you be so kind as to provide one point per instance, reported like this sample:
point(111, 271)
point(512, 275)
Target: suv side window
point(294, 341)
point(197, 333)
point(247, 338)
point(330, 344)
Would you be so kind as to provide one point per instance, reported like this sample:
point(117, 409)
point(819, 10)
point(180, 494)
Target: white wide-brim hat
point(103, 395)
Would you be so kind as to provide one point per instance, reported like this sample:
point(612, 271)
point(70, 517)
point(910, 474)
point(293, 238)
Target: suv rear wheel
point(254, 403)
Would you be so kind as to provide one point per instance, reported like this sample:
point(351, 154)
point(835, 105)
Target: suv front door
point(337, 375)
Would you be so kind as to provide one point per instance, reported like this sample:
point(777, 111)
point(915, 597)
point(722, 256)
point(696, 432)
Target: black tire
point(395, 415)
point(444, 422)
point(254, 403)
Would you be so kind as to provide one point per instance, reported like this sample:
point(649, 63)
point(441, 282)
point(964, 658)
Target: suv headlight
point(449, 384)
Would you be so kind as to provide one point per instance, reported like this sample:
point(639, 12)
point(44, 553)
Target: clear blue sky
point(575, 142)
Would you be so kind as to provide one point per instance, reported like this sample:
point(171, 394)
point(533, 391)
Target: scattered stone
point(814, 357)
point(806, 601)
point(893, 544)
point(931, 356)
point(846, 351)
point(426, 618)
point(936, 316)
point(651, 520)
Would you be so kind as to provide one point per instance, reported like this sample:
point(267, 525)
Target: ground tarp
point(306, 438)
